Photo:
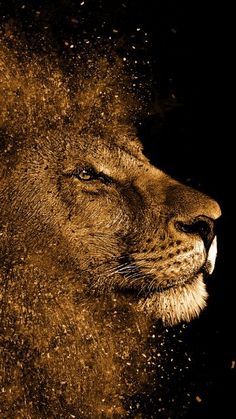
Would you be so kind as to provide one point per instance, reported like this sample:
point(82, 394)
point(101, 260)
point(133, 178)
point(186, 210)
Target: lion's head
point(82, 193)
point(84, 213)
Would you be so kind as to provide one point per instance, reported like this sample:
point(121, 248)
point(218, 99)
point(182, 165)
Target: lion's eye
point(86, 174)
point(89, 174)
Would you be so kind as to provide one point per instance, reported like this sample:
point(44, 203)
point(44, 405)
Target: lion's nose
point(202, 226)
point(192, 212)
point(188, 203)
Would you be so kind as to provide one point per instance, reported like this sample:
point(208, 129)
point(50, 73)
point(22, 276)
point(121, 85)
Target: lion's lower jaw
point(177, 304)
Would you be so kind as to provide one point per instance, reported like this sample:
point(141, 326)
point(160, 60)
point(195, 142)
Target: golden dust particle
point(233, 363)
point(198, 399)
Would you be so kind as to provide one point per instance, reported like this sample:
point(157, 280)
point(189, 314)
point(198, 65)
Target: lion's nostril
point(202, 226)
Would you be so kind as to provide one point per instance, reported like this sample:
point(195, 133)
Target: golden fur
point(91, 259)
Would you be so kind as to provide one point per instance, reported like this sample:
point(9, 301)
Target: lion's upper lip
point(206, 269)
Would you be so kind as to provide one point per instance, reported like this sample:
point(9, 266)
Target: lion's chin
point(177, 304)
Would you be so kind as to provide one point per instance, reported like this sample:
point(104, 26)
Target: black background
point(186, 135)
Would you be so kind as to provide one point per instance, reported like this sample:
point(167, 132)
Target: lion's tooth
point(211, 258)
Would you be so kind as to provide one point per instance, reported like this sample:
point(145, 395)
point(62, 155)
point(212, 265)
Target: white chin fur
point(177, 304)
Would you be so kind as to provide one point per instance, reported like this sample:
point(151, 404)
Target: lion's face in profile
point(102, 209)
point(97, 244)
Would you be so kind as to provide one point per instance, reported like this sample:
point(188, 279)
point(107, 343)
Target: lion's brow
point(122, 154)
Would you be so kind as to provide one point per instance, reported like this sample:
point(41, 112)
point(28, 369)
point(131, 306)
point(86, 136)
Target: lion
point(98, 247)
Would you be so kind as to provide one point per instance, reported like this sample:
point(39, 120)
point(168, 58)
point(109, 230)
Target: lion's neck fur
point(69, 342)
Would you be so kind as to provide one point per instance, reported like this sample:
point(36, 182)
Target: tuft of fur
point(37, 94)
point(180, 304)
